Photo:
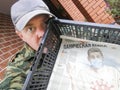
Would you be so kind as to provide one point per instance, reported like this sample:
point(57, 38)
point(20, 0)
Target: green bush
point(114, 7)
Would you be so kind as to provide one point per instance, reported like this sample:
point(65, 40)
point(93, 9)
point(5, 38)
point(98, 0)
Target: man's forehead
point(94, 53)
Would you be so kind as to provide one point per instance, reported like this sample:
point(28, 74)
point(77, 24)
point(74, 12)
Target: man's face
point(95, 55)
point(33, 32)
point(96, 59)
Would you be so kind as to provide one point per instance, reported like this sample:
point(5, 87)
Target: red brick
point(104, 17)
point(1, 35)
point(0, 59)
point(83, 1)
point(14, 41)
point(4, 63)
point(6, 49)
point(103, 4)
point(20, 47)
point(90, 10)
point(2, 31)
point(1, 52)
point(90, 1)
point(107, 20)
point(7, 38)
point(99, 17)
point(72, 10)
point(15, 36)
point(11, 31)
point(97, 3)
point(0, 69)
point(1, 46)
point(90, 5)
point(7, 34)
point(6, 55)
point(95, 11)
point(94, 16)
point(101, 11)
point(1, 40)
point(85, 4)
point(19, 39)
point(111, 18)
point(6, 44)
point(13, 51)
point(2, 74)
point(13, 46)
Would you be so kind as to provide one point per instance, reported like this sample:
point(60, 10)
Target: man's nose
point(39, 32)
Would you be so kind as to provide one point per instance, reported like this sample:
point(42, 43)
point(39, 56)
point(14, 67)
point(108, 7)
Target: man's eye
point(31, 29)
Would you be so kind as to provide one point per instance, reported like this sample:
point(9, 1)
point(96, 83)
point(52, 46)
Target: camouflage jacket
point(17, 69)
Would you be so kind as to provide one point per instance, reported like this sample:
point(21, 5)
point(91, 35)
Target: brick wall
point(72, 10)
point(92, 10)
point(10, 43)
point(97, 10)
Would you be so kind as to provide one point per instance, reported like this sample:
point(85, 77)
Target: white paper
point(73, 69)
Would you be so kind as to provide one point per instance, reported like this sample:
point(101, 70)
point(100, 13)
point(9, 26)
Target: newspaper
point(86, 65)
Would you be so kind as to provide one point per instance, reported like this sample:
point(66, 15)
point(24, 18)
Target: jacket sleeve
point(16, 71)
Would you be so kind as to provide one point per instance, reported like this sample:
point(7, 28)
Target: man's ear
point(19, 34)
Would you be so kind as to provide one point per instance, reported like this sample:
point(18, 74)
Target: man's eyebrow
point(29, 25)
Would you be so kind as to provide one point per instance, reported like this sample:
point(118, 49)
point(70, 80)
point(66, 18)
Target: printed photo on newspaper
point(86, 65)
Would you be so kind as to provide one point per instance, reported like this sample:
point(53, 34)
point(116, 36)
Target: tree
point(114, 7)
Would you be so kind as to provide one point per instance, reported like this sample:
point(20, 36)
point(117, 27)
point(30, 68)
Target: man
point(29, 18)
point(96, 77)
point(99, 76)
point(95, 57)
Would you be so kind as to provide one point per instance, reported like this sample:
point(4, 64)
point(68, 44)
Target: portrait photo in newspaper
point(86, 65)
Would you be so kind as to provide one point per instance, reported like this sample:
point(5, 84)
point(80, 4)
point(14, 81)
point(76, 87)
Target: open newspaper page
point(86, 65)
